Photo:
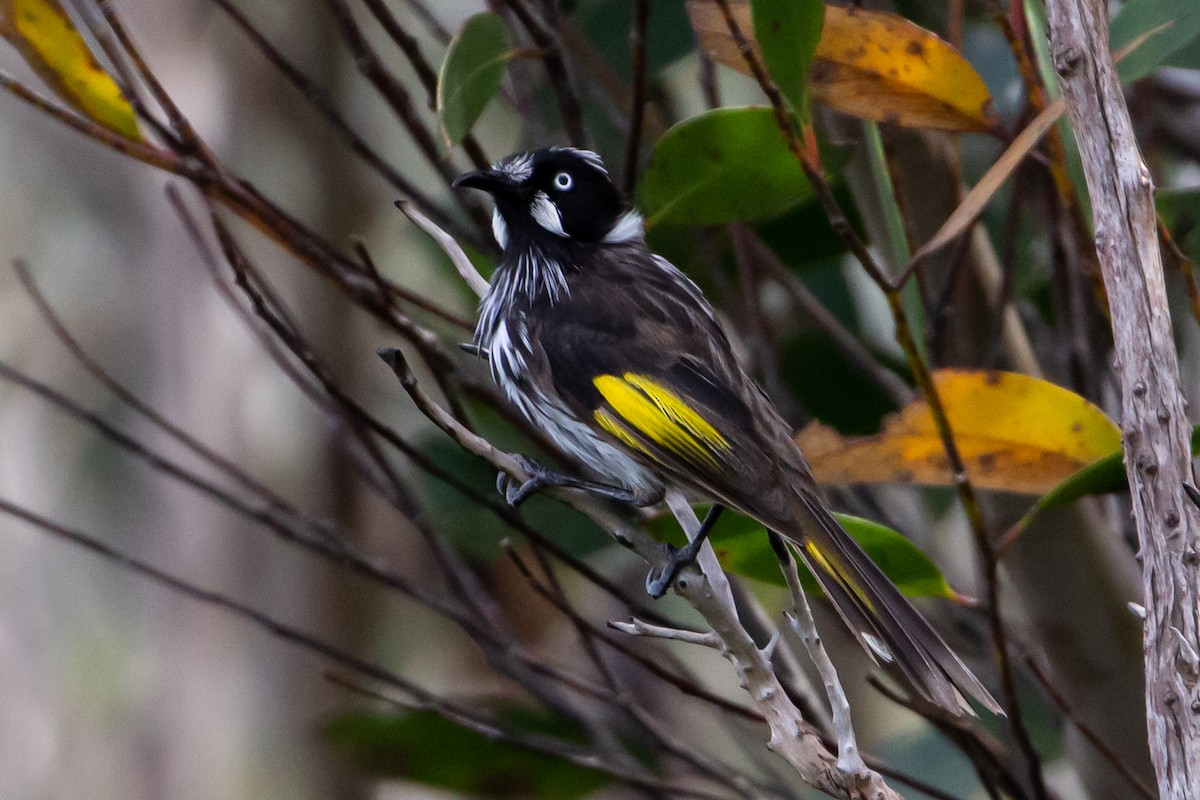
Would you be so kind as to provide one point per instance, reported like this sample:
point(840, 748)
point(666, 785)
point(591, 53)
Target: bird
point(615, 355)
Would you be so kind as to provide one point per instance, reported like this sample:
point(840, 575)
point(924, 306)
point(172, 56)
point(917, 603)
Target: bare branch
point(466, 270)
point(801, 619)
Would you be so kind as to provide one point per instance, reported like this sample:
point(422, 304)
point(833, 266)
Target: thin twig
point(188, 137)
point(125, 77)
point(388, 86)
point(431, 21)
point(849, 345)
point(1107, 752)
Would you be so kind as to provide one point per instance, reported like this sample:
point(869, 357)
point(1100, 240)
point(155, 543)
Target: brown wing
point(635, 350)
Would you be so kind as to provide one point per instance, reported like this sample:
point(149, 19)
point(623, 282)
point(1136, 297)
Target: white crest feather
point(591, 157)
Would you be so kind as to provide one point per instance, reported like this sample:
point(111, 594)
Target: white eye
point(563, 181)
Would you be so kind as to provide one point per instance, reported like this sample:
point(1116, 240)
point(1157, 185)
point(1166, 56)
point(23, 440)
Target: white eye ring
point(563, 181)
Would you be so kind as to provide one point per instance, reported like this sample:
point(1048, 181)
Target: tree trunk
point(1155, 428)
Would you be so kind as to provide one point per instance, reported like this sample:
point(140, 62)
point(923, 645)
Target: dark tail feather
point(882, 619)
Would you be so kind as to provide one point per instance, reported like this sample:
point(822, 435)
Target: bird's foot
point(658, 581)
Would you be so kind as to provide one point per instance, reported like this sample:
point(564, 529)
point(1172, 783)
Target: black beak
point(488, 180)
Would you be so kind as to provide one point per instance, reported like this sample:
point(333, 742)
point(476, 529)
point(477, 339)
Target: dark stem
point(637, 102)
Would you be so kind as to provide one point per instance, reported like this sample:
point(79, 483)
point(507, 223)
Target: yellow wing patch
point(658, 414)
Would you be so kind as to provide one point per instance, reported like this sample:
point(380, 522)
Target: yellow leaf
point(43, 34)
point(1015, 434)
point(870, 64)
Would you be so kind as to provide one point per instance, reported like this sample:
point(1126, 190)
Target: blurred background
point(114, 687)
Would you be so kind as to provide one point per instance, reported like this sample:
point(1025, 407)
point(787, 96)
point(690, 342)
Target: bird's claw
point(515, 492)
point(658, 581)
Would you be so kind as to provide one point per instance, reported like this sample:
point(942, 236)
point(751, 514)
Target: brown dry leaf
point(45, 37)
point(870, 64)
point(1015, 434)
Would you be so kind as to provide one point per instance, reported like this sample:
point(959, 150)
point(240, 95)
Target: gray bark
point(1155, 429)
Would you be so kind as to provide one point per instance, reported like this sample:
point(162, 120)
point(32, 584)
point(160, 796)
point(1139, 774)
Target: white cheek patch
point(628, 228)
point(499, 229)
point(546, 214)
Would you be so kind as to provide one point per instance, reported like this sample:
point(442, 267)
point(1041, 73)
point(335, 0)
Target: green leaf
point(429, 749)
point(725, 165)
point(742, 548)
point(1187, 57)
point(787, 32)
point(1159, 27)
point(1101, 477)
point(471, 73)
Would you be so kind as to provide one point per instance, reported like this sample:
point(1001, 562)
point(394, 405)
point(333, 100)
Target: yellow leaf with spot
point(1015, 434)
point(45, 37)
point(870, 64)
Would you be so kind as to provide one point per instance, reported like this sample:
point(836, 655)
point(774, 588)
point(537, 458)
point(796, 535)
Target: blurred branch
point(422, 698)
point(1183, 265)
point(397, 97)
point(323, 105)
point(430, 19)
point(547, 39)
point(986, 754)
point(425, 73)
point(536, 742)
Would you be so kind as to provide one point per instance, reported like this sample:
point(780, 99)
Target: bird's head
point(554, 193)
